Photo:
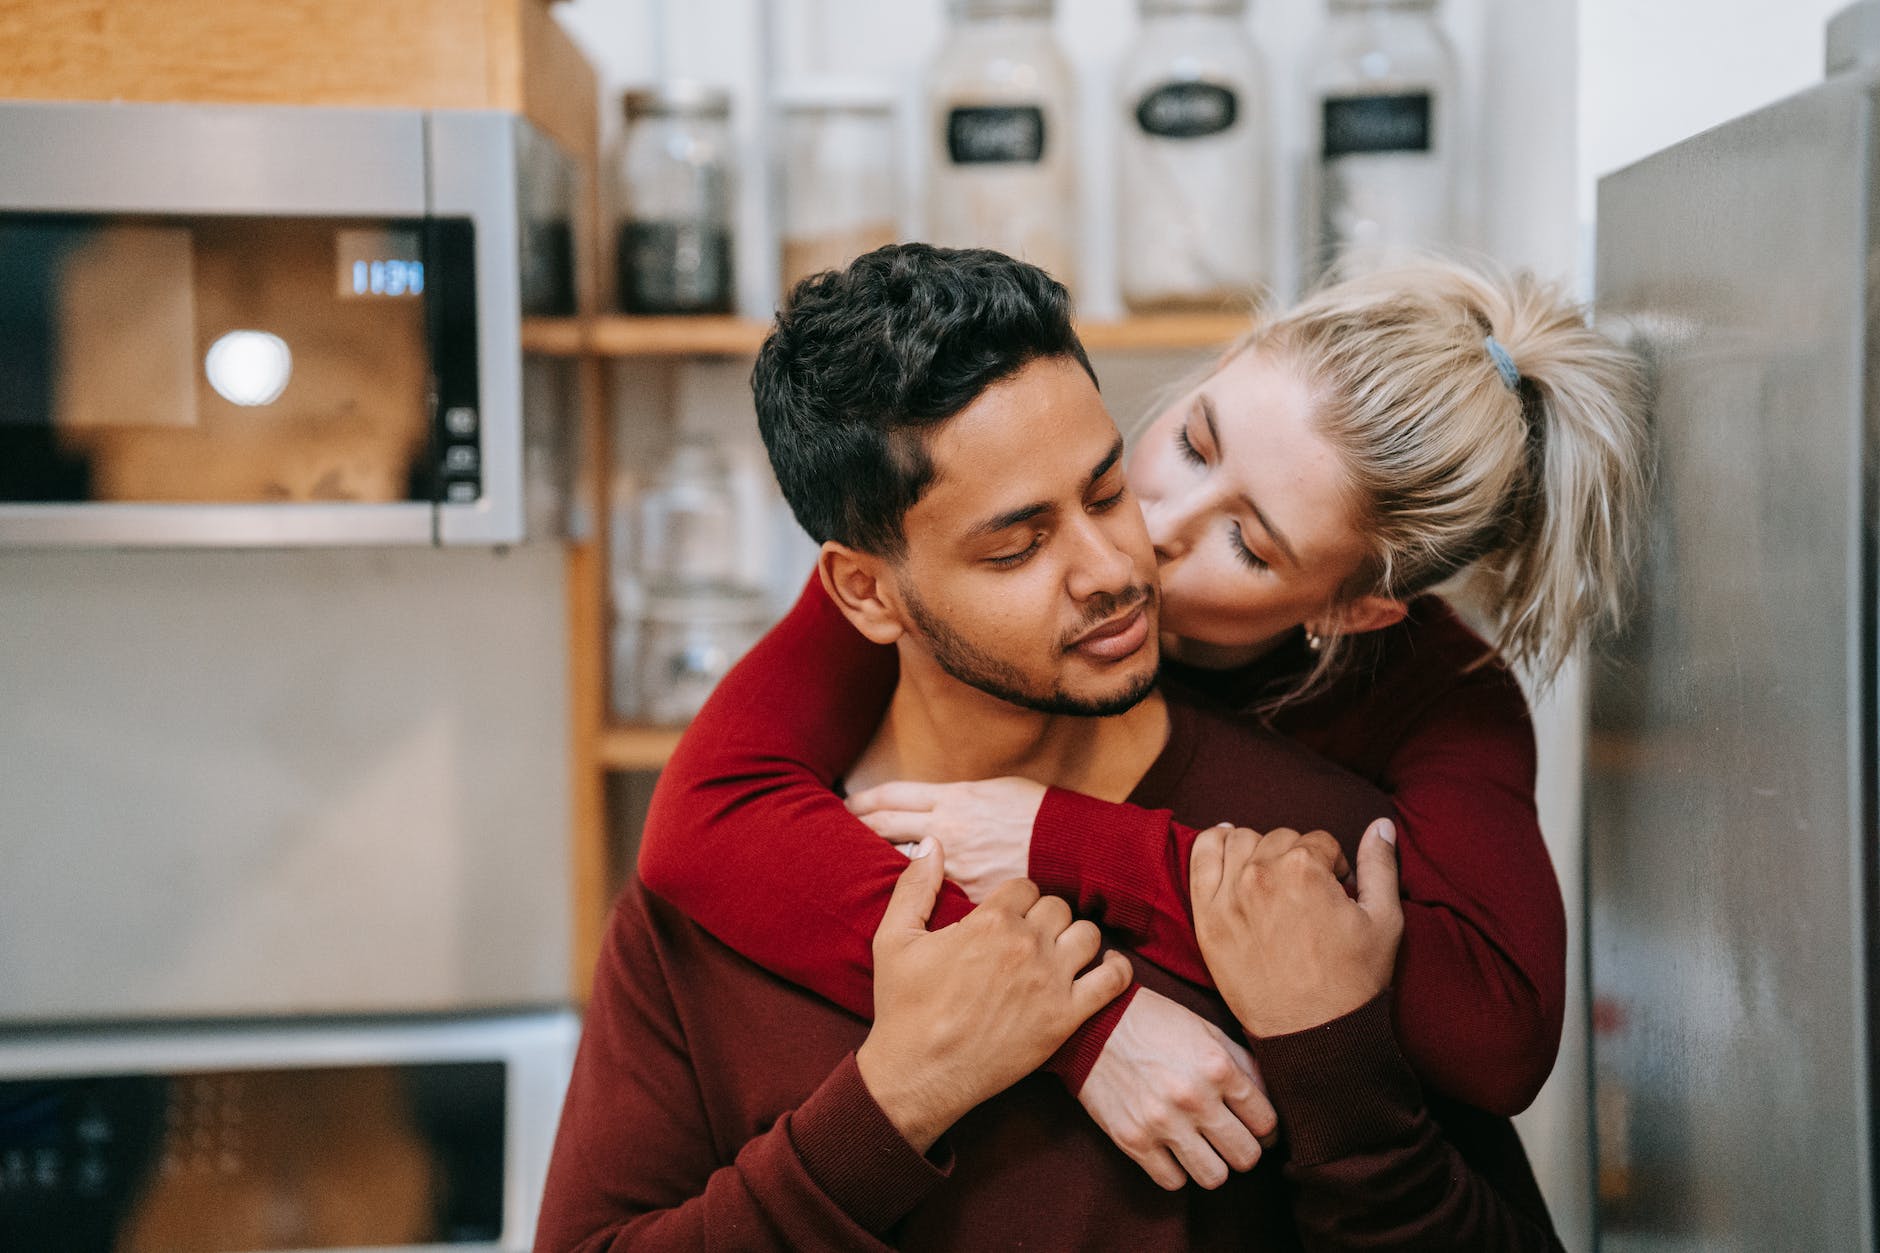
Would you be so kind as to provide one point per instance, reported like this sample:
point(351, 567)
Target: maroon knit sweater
point(748, 840)
point(715, 1105)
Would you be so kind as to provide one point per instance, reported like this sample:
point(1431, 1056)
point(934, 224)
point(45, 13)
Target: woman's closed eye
point(1187, 446)
point(1247, 556)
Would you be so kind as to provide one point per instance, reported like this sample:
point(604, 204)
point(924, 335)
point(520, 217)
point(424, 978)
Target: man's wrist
point(1277, 1016)
point(907, 1094)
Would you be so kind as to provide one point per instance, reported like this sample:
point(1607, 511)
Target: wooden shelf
point(1165, 332)
point(620, 336)
point(628, 746)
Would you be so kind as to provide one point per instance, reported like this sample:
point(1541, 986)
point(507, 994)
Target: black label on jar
point(996, 135)
point(1355, 125)
point(675, 267)
point(1187, 110)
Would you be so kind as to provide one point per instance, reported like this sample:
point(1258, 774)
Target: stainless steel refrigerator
point(1732, 765)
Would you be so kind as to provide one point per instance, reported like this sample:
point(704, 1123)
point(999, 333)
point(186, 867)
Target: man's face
point(1029, 573)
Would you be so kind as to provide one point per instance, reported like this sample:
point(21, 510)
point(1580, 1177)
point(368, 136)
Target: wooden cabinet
point(432, 54)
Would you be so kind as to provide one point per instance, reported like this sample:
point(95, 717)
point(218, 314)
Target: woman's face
point(1247, 507)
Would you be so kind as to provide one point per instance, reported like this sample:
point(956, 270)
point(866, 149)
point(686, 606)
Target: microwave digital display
point(387, 263)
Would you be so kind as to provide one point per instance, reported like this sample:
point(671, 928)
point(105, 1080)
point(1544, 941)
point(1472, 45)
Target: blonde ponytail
point(1536, 487)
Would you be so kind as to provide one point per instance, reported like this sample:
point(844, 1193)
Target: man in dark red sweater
point(977, 520)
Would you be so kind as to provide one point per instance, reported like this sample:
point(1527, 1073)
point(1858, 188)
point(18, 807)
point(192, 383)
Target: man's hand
point(1178, 1096)
point(963, 1013)
point(1287, 947)
point(985, 827)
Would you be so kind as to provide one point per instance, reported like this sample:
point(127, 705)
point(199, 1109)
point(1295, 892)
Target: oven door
point(425, 1134)
point(258, 326)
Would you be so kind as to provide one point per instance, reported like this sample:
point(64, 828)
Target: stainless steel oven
point(418, 1134)
point(245, 326)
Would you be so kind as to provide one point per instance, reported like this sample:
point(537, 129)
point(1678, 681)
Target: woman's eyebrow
point(1214, 437)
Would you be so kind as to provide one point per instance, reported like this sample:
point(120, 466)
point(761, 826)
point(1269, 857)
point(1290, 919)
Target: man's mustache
point(1106, 605)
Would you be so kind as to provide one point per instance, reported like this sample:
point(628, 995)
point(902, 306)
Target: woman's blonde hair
point(1530, 472)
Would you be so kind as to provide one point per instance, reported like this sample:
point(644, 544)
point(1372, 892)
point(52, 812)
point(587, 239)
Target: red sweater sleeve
point(634, 1164)
point(1370, 1168)
point(747, 838)
point(1481, 975)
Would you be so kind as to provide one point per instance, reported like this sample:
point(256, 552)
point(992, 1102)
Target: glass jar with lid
point(673, 192)
point(689, 638)
point(840, 193)
point(683, 610)
point(1385, 107)
point(1002, 169)
point(1193, 216)
point(689, 521)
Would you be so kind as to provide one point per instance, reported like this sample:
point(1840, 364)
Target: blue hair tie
point(1504, 364)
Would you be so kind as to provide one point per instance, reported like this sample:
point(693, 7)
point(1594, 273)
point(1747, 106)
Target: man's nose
point(1102, 566)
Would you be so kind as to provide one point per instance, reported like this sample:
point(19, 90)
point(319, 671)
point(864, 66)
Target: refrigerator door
point(1729, 816)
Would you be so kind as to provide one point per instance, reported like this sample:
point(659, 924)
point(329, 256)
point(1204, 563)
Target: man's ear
point(1368, 613)
point(857, 582)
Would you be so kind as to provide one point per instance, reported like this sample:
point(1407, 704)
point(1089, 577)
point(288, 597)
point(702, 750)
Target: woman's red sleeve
point(1481, 975)
point(747, 838)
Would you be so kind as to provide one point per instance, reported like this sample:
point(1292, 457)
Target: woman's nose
point(1169, 527)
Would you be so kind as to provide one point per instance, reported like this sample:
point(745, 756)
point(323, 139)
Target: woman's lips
point(1117, 639)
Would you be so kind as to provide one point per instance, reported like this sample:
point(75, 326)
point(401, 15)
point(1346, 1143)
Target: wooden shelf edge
point(622, 336)
point(629, 746)
point(554, 337)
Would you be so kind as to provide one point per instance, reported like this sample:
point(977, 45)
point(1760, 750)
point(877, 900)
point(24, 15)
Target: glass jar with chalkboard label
point(673, 195)
point(1387, 146)
point(1001, 168)
point(1193, 203)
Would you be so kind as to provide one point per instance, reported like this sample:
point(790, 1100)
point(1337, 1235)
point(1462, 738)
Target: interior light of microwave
point(249, 367)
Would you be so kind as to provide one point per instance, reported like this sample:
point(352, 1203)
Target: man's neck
point(939, 730)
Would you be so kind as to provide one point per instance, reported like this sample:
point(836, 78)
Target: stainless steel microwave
point(254, 326)
point(412, 1134)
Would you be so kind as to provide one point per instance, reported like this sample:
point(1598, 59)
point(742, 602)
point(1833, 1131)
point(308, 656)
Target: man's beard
point(974, 667)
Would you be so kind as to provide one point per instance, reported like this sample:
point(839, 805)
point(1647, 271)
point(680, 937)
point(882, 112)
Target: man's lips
point(1118, 637)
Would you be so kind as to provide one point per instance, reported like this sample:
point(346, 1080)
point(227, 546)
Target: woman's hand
point(985, 827)
point(1178, 1096)
point(1288, 948)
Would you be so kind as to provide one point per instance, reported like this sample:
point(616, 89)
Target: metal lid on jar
point(681, 97)
point(1191, 8)
point(979, 10)
point(825, 94)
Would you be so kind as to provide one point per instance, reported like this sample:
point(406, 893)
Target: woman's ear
point(855, 582)
point(1368, 613)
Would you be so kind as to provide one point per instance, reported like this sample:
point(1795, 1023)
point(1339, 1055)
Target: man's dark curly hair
point(863, 363)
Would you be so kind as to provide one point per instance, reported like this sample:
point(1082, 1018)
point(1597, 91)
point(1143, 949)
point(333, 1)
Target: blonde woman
point(1305, 498)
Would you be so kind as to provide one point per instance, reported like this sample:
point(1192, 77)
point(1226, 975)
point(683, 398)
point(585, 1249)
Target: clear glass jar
point(673, 197)
point(1193, 201)
point(688, 640)
point(1002, 169)
point(841, 197)
point(1386, 111)
point(689, 523)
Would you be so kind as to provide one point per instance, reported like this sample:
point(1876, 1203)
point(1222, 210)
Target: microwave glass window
point(225, 360)
point(211, 1162)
